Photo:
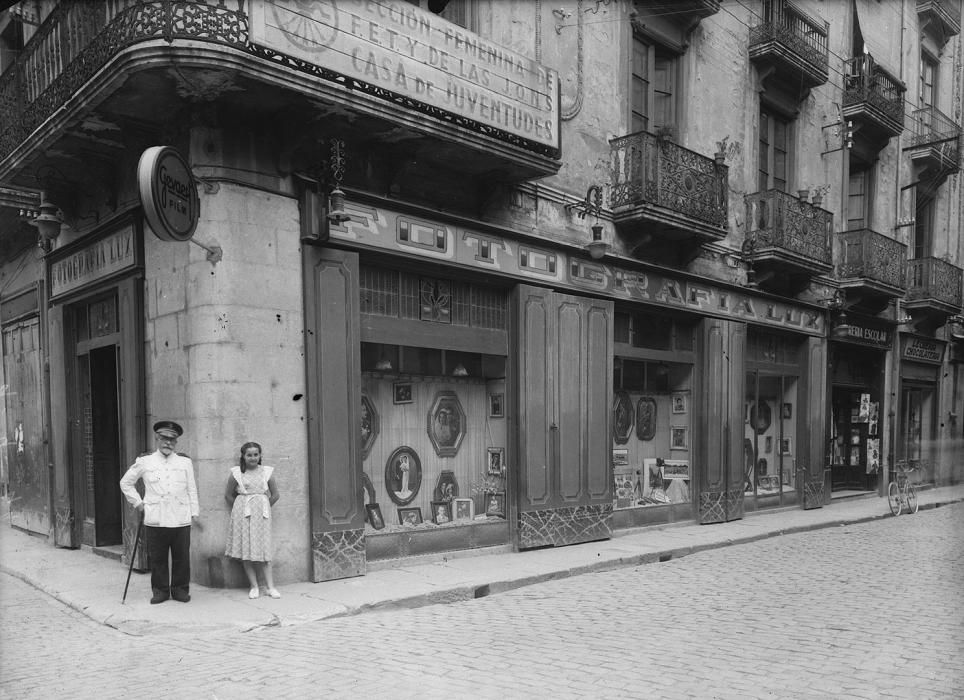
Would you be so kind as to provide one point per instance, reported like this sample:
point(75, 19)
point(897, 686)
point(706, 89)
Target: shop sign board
point(96, 261)
point(865, 333)
point(168, 194)
point(418, 55)
point(919, 349)
point(488, 251)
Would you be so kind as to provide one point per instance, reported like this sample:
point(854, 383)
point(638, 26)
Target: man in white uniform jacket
point(169, 505)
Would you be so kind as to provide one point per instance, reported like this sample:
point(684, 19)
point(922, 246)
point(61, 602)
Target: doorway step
point(115, 551)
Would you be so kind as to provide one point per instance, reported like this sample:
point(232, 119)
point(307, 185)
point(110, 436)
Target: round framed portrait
point(403, 475)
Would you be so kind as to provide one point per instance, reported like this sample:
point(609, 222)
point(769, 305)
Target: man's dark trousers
point(176, 540)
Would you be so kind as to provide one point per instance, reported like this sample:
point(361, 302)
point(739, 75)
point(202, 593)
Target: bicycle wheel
point(912, 504)
point(893, 498)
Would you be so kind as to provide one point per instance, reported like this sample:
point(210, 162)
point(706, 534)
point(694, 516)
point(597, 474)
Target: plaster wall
point(225, 358)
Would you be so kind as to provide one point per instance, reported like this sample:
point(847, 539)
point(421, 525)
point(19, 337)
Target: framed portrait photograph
point(403, 475)
point(768, 445)
point(463, 509)
point(374, 515)
point(786, 446)
point(441, 512)
point(496, 405)
point(678, 402)
point(401, 392)
point(410, 516)
point(494, 504)
point(495, 461)
point(679, 438)
point(787, 410)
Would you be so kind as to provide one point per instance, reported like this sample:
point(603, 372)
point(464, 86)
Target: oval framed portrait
point(760, 416)
point(403, 475)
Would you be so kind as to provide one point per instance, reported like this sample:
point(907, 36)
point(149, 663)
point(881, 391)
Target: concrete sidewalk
point(94, 585)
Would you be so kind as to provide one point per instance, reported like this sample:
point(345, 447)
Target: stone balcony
point(934, 289)
point(666, 199)
point(873, 101)
point(939, 18)
point(788, 241)
point(934, 146)
point(870, 267)
point(790, 46)
point(117, 76)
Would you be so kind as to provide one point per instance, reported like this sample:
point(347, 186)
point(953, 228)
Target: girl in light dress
point(251, 491)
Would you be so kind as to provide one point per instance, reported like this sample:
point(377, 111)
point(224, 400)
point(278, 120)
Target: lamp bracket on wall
point(214, 252)
point(592, 204)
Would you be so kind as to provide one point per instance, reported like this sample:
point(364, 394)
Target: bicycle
point(902, 493)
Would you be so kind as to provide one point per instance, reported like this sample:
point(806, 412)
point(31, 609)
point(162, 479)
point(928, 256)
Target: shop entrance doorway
point(95, 421)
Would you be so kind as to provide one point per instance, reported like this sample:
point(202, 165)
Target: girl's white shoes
point(256, 593)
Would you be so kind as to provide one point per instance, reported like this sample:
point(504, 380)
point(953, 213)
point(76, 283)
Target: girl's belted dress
point(249, 533)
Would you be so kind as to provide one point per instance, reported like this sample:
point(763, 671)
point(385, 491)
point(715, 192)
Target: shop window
point(652, 439)
point(654, 332)
point(460, 12)
point(439, 458)
point(855, 438)
point(770, 443)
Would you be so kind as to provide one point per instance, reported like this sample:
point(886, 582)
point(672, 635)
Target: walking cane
point(137, 538)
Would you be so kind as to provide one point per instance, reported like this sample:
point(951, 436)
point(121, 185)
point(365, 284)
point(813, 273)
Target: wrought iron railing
point(867, 82)
point(866, 254)
point(798, 32)
point(934, 128)
point(79, 38)
point(777, 220)
point(933, 278)
point(646, 169)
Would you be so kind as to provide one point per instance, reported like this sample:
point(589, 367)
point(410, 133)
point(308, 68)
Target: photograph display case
point(770, 434)
point(434, 442)
point(652, 418)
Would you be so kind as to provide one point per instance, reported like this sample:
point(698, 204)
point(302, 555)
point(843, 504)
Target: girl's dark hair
point(244, 448)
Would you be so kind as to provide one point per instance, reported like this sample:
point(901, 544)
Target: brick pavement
point(863, 610)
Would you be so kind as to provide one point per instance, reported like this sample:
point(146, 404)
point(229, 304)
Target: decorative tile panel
point(338, 554)
point(561, 526)
point(813, 495)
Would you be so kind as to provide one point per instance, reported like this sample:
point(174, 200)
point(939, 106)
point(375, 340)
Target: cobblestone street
point(865, 611)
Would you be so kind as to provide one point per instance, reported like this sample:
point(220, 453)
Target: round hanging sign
point(167, 192)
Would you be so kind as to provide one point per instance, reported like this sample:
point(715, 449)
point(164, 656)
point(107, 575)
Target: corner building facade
point(493, 276)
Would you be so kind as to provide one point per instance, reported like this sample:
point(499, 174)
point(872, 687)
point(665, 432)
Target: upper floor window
point(923, 228)
point(928, 80)
point(858, 200)
point(774, 151)
point(653, 99)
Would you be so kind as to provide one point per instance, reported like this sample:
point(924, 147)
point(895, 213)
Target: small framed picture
point(786, 446)
point(495, 505)
point(787, 410)
point(620, 457)
point(496, 405)
point(463, 509)
point(374, 514)
point(679, 402)
point(496, 461)
point(768, 444)
point(402, 392)
point(410, 516)
point(441, 512)
point(679, 437)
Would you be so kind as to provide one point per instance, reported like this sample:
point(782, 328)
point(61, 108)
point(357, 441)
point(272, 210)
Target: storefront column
point(333, 369)
point(811, 426)
point(720, 382)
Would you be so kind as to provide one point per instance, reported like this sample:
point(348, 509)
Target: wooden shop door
point(564, 360)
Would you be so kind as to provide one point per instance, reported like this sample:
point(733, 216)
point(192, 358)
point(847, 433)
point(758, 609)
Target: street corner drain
point(482, 591)
point(665, 557)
